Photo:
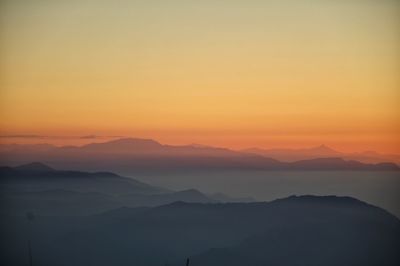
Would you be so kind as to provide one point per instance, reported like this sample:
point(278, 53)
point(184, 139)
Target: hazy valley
point(211, 205)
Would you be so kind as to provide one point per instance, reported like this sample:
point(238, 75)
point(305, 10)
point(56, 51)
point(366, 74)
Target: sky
point(225, 73)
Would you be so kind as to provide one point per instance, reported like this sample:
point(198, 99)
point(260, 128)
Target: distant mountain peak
point(134, 140)
point(324, 148)
point(190, 191)
point(35, 167)
point(124, 144)
point(197, 145)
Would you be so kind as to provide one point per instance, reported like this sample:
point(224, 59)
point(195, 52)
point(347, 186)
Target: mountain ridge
point(63, 192)
point(143, 155)
point(291, 155)
point(261, 233)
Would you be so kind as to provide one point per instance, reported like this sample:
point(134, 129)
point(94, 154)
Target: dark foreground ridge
point(299, 230)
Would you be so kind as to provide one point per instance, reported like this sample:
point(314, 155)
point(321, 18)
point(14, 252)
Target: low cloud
point(23, 136)
point(33, 136)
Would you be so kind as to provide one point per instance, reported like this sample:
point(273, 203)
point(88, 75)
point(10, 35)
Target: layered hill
point(145, 156)
point(304, 230)
point(46, 191)
point(323, 151)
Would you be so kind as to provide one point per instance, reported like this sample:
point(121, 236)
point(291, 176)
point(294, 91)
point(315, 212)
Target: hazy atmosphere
point(225, 132)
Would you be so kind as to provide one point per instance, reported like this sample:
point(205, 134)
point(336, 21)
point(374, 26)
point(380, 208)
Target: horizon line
point(110, 138)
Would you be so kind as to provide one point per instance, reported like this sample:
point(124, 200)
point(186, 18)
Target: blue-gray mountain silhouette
point(48, 191)
point(305, 230)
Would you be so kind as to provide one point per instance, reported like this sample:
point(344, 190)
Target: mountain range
point(298, 230)
point(323, 151)
point(101, 218)
point(48, 191)
point(145, 155)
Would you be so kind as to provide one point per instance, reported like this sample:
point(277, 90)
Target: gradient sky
point(226, 73)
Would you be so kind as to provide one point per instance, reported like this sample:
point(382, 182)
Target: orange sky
point(225, 73)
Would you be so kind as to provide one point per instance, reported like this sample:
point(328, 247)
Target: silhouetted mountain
point(126, 145)
point(38, 187)
point(40, 177)
point(225, 198)
point(339, 164)
point(42, 171)
point(296, 154)
point(323, 151)
point(190, 195)
point(317, 238)
point(148, 156)
point(34, 167)
point(305, 230)
point(66, 202)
